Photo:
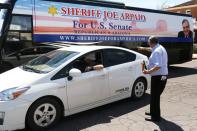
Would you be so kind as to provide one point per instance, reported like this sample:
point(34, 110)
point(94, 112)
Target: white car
point(67, 81)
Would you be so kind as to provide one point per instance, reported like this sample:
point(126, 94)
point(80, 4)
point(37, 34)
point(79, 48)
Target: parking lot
point(178, 104)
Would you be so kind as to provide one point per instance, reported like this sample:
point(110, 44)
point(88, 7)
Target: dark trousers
point(157, 87)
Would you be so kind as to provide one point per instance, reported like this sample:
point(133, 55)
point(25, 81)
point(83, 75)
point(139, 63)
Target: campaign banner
point(58, 21)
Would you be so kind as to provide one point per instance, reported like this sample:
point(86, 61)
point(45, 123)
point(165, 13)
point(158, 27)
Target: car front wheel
point(139, 88)
point(43, 114)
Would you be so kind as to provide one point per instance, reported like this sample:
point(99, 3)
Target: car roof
point(67, 44)
point(88, 48)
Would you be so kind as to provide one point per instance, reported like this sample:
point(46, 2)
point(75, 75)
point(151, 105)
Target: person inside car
point(92, 63)
point(88, 63)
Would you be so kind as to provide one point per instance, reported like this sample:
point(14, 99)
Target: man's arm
point(155, 68)
point(96, 67)
point(157, 61)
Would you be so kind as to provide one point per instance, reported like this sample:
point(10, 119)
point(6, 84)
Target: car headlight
point(12, 93)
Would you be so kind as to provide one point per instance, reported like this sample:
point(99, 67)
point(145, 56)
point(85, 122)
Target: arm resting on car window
point(98, 67)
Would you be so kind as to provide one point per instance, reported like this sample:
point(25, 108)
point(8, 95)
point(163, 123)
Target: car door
point(90, 88)
point(119, 64)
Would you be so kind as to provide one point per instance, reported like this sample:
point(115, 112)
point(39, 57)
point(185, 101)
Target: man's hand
point(151, 70)
point(146, 71)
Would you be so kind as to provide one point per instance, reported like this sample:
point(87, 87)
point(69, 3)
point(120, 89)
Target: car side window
point(114, 57)
point(86, 62)
point(82, 63)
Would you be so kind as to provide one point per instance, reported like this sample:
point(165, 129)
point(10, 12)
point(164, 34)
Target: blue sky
point(152, 4)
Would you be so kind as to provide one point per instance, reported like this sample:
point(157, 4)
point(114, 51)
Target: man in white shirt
point(158, 69)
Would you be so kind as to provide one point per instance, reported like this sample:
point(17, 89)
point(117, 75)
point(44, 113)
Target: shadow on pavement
point(175, 71)
point(99, 115)
point(165, 125)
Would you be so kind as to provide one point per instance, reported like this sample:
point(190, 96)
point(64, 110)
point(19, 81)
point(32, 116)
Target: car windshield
point(2, 18)
point(48, 62)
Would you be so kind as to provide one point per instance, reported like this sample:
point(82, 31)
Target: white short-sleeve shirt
point(159, 58)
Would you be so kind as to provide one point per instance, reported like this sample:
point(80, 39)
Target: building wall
point(184, 9)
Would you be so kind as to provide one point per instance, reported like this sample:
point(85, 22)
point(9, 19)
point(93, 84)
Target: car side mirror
point(74, 73)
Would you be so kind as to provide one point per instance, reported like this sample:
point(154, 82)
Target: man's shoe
point(148, 113)
point(152, 119)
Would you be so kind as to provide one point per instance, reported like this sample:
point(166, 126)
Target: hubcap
point(139, 89)
point(44, 115)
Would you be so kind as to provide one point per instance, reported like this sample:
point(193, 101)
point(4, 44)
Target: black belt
point(162, 77)
point(159, 75)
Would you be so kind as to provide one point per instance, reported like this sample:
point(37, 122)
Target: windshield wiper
point(26, 68)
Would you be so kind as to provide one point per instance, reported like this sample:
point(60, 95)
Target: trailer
point(30, 23)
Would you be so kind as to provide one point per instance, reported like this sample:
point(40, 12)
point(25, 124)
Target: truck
point(27, 25)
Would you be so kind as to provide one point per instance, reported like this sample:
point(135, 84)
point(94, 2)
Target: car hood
point(17, 77)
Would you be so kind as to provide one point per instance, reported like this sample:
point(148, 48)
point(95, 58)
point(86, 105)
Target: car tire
point(43, 114)
point(139, 88)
